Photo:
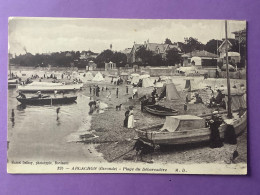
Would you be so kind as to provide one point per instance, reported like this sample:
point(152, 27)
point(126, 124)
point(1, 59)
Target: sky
point(43, 35)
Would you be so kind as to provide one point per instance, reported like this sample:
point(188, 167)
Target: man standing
point(117, 92)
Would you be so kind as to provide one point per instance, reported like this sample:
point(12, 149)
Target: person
point(39, 94)
point(55, 93)
point(22, 95)
point(154, 92)
point(90, 89)
point(134, 93)
point(198, 99)
point(109, 95)
point(217, 73)
point(117, 92)
point(126, 118)
point(214, 123)
point(144, 102)
point(94, 90)
point(97, 91)
point(219, 97)
point(185, 106)
point(126, 89)
point(130, 123)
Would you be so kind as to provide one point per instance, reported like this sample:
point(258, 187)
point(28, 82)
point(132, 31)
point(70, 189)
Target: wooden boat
point(160, 110)
point(51, 88)
point(185, 131)
point(47, 100)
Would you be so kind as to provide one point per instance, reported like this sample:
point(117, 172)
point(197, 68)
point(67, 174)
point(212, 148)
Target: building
point(233, 57)
point(201, 59)
point(240, 35)
point(91, 65)
point(110, 65)
point(156, 48)
point(84, 55)
point(127, 52)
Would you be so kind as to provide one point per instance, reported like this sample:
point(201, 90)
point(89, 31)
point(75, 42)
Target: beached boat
point(49, 88)
point(47, 100)
point(160, 110)
point(187, 129)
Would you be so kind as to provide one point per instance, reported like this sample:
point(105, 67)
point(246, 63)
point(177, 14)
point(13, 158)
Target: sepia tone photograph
point(127, 96)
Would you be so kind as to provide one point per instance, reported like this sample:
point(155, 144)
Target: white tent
point(191, 85)
point(135, 78)
point(88, 76)
point(98, 77)
point(147, 82)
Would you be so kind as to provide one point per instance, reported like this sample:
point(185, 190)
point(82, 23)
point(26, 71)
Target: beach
point(116, 142)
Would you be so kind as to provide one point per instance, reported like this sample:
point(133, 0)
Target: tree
point(192, 44)
point(144, 54)
point(168, 41)
point(212, 45)
point(119, 58)
point(104, 57)
point(173, 57)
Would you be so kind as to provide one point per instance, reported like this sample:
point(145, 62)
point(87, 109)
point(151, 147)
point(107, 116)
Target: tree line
point(172, 56)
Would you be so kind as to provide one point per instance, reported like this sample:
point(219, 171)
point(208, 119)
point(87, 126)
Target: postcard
point(155, 96)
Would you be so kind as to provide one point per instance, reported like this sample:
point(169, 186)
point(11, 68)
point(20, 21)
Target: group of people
point(95, 89)
point(219, 100)
point(118, 81)
point(129, 118)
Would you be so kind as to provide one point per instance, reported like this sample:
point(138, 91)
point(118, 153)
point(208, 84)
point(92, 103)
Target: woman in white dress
point(131, 119)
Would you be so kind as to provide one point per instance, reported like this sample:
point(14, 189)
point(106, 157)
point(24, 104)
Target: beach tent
point(135, 78)
point(98, 77)
point(170, 92)
point(88, 76)
point(237, 101)
point(183, 122)
point(147, 82)
point(191, 85)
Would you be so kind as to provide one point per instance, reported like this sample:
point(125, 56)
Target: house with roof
point(84, 55)
point(201, 59)
point(156, 48)
point(233, 57)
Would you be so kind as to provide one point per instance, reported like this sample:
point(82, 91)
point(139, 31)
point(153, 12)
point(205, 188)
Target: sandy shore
point(115, 140)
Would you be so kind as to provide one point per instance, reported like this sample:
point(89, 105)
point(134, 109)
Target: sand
point(115, 140)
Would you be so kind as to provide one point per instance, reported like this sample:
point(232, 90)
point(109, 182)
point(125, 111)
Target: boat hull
point(47, 101)
point(160, 111)
point(186, 137)
point(32, 89)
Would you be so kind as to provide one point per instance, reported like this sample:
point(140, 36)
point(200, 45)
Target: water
point(36, 133)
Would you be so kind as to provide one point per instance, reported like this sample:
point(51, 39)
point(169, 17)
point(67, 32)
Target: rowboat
point(187, 129)
point(51, 88)
point(47, 100)
point(160, 110)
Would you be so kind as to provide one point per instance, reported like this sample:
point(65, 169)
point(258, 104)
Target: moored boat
point(187, 129)
point(160, 110)
point(47, 100)
point(50, 88)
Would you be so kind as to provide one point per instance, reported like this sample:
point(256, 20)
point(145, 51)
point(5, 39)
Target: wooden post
point(229, 115)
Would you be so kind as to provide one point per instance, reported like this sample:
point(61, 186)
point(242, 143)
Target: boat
point(49, 88)
point(160, 110)
point(47, 100)
point(186, 129)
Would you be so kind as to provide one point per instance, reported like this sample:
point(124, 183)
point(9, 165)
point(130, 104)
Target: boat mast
point(229, 115)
